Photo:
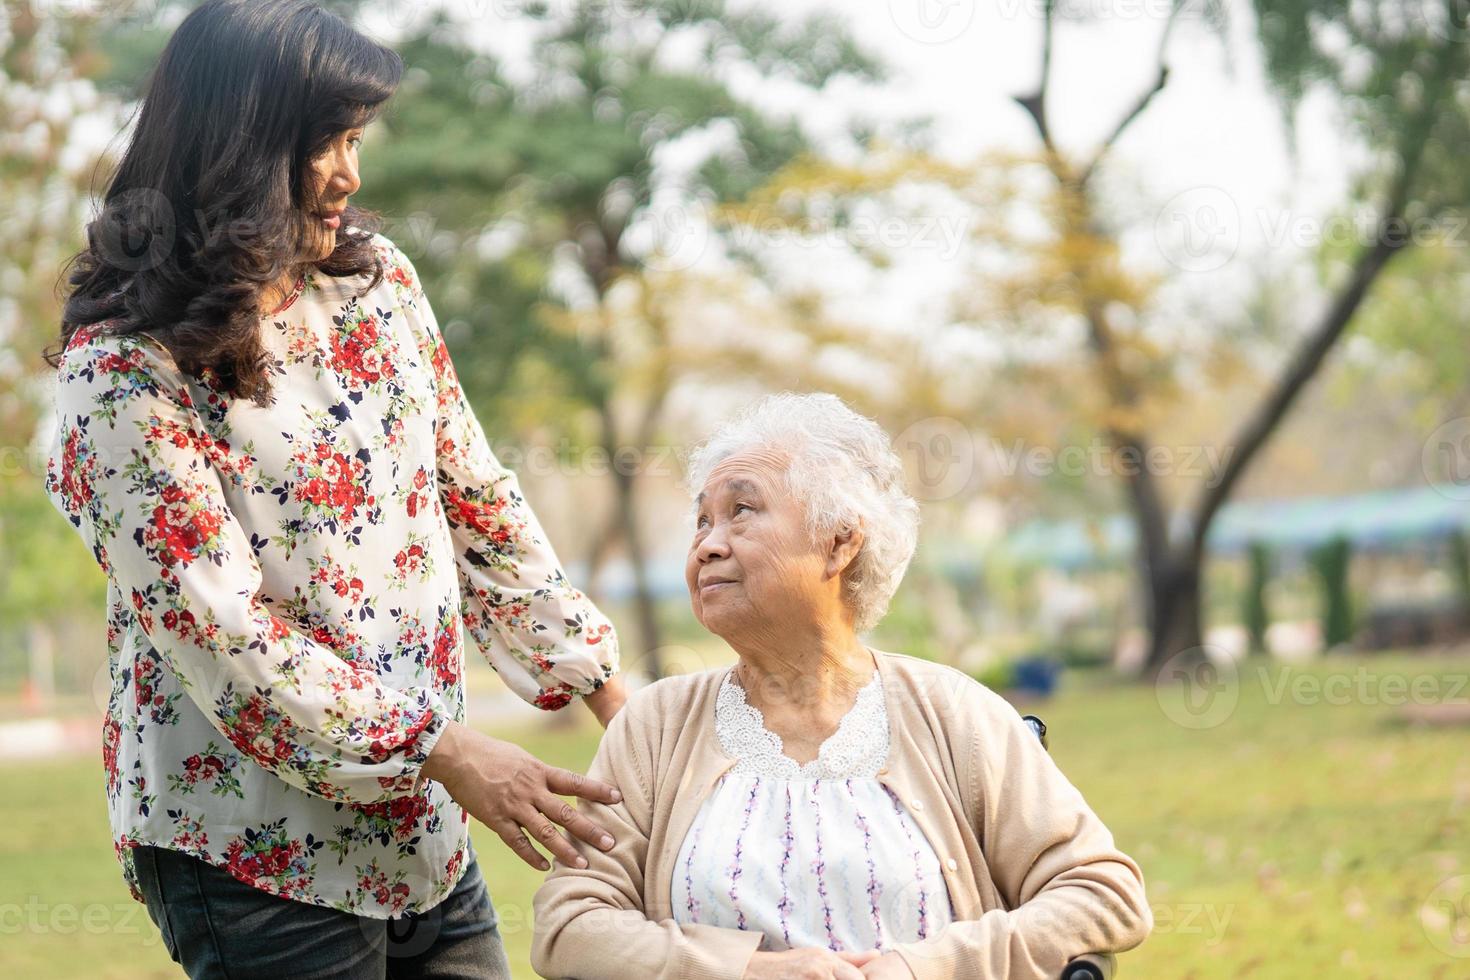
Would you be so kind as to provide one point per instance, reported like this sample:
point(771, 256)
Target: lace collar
point(856, 749)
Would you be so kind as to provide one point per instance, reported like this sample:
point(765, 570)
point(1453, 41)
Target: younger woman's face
point(334, 177)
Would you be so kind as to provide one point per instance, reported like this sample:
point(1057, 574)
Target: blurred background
point(1162, 302)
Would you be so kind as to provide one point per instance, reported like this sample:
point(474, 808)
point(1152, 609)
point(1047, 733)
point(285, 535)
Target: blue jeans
point(216, 926)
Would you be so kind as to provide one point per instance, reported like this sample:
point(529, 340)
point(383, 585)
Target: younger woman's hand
point(506, 788)
point(809, 963)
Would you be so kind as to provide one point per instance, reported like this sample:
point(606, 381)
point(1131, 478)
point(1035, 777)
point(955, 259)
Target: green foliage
point(908, 628)
point(560, 161)
point(1415, 314)
point(38, 539)
point(1460, 565)
point(1082, 651)
point(998, 675)
point(1255, 615)
point(1394, 66)
point(1331, 562)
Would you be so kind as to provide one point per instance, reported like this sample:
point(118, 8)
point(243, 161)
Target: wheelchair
point(1092, 966)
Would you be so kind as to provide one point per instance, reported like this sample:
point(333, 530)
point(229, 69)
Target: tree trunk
point(1175, 620)
point(597, 556)
point(1172, 572)
point(626, 509)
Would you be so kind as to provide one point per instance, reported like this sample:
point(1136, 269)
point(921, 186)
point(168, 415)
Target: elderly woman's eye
point(740, 507)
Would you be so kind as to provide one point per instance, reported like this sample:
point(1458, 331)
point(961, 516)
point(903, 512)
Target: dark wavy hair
point(210, 204)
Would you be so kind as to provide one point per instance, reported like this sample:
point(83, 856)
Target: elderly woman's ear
point(846, 544)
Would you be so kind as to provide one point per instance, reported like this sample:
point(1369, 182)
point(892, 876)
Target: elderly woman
point(821, 809)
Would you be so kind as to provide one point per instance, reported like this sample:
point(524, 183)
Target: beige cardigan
point(1033, 875)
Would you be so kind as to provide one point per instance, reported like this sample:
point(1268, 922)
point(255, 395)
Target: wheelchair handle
point(1093, 966)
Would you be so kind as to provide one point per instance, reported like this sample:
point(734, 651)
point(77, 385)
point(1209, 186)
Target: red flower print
point(552, 699)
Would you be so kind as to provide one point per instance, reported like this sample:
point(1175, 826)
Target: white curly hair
point(844, 471)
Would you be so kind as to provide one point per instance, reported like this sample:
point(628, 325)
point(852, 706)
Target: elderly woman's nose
point(712, 546)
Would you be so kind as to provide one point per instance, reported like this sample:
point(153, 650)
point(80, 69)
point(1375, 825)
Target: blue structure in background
point(1036, 676)
point(1384, 520)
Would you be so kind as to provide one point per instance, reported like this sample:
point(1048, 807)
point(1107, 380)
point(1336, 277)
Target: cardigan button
point(951, 864)
point(917, 804)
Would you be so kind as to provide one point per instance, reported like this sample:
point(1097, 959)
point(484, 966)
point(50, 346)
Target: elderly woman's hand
point(807, 964)
point(889, 966)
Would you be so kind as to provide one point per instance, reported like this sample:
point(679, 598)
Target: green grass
point(1298, 837)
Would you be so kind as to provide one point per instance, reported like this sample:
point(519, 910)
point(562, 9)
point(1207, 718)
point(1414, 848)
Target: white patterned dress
point(821, 854)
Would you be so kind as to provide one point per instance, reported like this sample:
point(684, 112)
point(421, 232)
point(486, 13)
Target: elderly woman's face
point(752, 562)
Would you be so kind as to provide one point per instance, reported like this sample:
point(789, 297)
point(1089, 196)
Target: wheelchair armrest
point(1039, 727)
point(1093, 966)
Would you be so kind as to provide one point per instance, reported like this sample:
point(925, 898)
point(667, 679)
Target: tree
point(1396, 77)
point(564, 173)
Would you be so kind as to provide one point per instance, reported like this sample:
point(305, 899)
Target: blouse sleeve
point(545, 638)
point(1068, 889)
point(132, 471)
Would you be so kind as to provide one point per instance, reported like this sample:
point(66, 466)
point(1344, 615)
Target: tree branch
point(1125, 122)
point(1258, 428)
point(1035, 104)
point(1143, 100)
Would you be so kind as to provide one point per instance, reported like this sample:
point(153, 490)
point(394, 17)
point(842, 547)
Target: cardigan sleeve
point(1067, 887)
point(545, 638)
point(590, 923)
point(132, 469)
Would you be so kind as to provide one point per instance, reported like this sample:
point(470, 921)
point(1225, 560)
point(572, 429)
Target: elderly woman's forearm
point(1099, 907)
point(577, 936)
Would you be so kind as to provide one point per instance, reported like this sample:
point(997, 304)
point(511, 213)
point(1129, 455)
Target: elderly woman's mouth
point(714, 584)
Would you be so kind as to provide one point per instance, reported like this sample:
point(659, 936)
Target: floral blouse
point(289, 590)
point(816, 855)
